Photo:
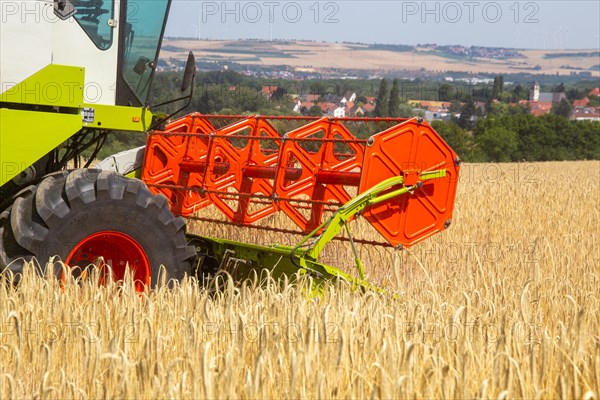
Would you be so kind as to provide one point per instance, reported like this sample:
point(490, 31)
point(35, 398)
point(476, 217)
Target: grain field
point(505, 304)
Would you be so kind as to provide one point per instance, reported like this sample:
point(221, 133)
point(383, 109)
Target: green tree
point(576, 94)
point(498, 144)
point(498, 87)
point(494, 108)
point(315, 111)
point(228, 111)
point(394, 102)
point(455, 106)
point(586, 144)
point(382, 107)
point(448, 92)
point(594, 101)
point(279, 93)
point(459, 139)
point(559, 89)
point(468, 116)
point(519, 93)
point(406, 111)
point(562, 108)
point(361, 99)
point(317, 88)
point(533, 134)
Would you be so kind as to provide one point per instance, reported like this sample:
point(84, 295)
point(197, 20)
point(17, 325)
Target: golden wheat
point(505, 304)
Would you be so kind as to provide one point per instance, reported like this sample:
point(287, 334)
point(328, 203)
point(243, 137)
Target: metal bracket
point(230, 263)
point(124, 162)
point(63, 9)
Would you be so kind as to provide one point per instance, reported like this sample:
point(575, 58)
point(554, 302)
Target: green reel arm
point(329, 229)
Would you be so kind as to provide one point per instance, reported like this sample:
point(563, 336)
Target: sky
point(513, 24)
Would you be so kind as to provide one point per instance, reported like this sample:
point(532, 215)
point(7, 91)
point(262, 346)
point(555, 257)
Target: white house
point(349, 97)
point(339, 112)
point(297, 106)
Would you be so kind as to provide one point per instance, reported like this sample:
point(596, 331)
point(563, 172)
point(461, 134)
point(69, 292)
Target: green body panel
point(54, 85)
point(119, 118)
point(26, 136)
point(136, 173)
point(42, 112)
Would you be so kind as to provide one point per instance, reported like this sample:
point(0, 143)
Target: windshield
point(143, 34)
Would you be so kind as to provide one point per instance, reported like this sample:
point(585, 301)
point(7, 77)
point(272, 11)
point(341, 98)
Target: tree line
point(511, 133)
point(503, 132)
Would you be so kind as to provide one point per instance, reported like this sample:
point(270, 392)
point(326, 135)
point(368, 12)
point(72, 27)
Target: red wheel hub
point(118, 251)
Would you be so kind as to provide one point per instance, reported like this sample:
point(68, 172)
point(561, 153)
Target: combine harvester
point(85, 70)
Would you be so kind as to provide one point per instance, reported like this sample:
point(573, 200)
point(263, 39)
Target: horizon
point(275, 40)
point(527, 25)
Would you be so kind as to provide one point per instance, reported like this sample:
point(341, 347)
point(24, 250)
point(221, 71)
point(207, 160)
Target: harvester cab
point(70, 72)
point(74, 71)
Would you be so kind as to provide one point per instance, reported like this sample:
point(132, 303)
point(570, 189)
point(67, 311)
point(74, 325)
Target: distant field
point(503, 305)
point(315, 55)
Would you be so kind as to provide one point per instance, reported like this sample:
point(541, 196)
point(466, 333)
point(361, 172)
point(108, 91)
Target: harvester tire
point(74, 214)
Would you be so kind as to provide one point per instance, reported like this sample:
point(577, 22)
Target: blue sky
point(517, 24)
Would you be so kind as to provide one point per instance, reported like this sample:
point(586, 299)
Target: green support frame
point(242, 260)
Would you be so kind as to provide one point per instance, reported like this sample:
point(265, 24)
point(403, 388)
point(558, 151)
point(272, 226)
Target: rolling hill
point(310, 56)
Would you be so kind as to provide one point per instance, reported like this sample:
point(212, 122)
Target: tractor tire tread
point(41, 215)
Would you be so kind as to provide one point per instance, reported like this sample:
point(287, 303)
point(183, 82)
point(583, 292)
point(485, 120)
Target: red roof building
point(368, 107)
point(586, 114)
point(540, 108)
point(327, 107)
point(269, 90)
point(437, 104)
point(581, 103)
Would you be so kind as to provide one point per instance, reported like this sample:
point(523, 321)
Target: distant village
point(335, 106)
point(541, 103)
point(351, 104)
point(498, 53)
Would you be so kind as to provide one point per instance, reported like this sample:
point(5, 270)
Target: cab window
point(143, 36)
point(94, 16)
